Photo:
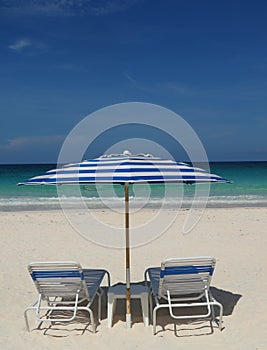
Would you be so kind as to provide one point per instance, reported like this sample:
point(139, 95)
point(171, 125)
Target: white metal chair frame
point(183, 282)
point(64, 286)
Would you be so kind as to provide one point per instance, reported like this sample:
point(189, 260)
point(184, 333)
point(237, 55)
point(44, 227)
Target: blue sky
point(63, 59)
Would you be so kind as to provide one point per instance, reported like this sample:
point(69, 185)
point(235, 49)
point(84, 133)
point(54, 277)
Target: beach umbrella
point(125, 169)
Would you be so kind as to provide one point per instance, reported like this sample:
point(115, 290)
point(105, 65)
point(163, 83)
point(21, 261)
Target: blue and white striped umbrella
point(121, 169)
point(125, 169)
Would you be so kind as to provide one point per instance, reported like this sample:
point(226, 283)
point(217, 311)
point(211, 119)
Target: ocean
point(249, 188)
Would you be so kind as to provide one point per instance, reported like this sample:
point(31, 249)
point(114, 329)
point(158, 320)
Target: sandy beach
point(236, 237)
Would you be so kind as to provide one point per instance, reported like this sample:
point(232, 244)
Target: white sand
point(236, 237)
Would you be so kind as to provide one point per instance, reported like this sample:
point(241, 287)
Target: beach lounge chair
point(183, 283)
point(64, 287)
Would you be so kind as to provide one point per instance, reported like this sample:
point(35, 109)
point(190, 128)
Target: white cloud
point(20, 45)
point(43, 148)
point(18, 143)
point(165, 87)
point(65, 7)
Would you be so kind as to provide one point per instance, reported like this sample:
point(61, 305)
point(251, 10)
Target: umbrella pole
point(128, 292)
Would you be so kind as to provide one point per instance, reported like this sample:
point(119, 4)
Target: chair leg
point(32, 307)
point(26, 319)
point(92, 320)
point(151, 305)
point(111, 307)
point(155, 319)
point(214, 302)
point(221, 313)
point(91, 316)
point(145, 311)
point(100, 293)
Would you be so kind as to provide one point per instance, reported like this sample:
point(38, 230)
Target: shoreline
point(207, 207)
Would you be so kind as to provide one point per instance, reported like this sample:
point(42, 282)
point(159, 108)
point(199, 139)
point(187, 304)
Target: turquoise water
point(249, 188)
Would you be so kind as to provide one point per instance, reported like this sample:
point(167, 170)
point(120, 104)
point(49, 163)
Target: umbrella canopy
point(125, 169)
point(121, 169)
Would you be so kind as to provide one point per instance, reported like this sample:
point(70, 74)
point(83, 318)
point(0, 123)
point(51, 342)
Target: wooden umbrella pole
point(127, 233)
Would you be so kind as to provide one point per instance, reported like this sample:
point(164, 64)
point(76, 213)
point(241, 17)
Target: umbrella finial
point(127, 153)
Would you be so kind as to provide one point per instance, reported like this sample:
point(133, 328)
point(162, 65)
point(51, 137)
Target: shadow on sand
point(181, 328)
point(197, 327)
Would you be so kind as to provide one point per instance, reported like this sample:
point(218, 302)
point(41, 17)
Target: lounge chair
point(64, 286)
point(183, 283)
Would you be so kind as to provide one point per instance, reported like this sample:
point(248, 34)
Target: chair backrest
point(186, 276)
point(58, 279)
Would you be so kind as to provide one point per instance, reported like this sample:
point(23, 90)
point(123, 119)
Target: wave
point(53, 203)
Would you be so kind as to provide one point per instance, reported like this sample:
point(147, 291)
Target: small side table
point(119, 292)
